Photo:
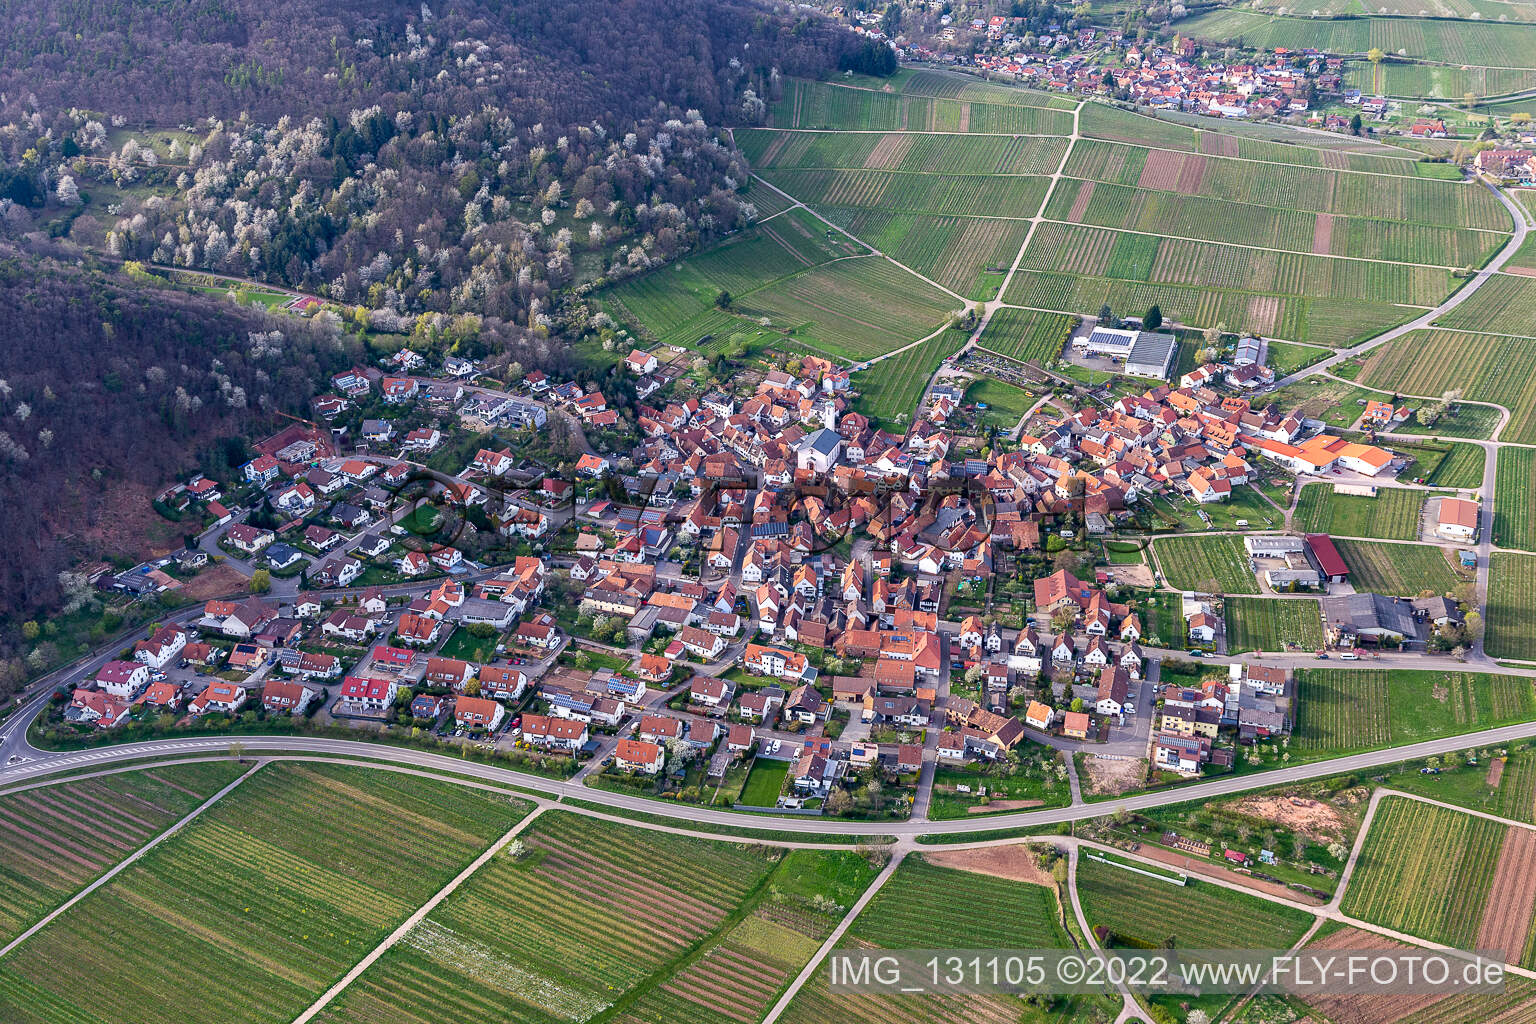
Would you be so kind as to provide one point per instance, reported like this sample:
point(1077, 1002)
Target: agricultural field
point(1218, 564)
point(843, 107)
point(652, 927)
point(1443, 463)
point(1398, 570)
point(968, 255)
point(1466, 419)
point(1427, 871)
point(1006, 404)
point(1502, 786)
point(1514, 499)
point(1027, 335)
point(1339, 710)
point(1511, 626)
point(1392, 515)
point(1273, 624)
point(1460, 42)
point(1484, 367)
point(889, 390)
point(55, 839)
point(1505, 304)
point(1144, 911)
point(276, 891)
point(918, 908)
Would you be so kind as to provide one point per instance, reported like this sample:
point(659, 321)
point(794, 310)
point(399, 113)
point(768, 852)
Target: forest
point(462, 170)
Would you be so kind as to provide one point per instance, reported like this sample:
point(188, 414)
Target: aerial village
point(764, 599)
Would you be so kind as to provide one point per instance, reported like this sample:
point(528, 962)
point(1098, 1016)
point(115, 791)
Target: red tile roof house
point(659, 728)
point(163, 695)
point(740, 739)
point(219, 696)
point(554, 733)
point(478, 714)
point(639, 756)
point(123, 678)
point(450, 672)
point(369, 694)
point(94, 706)
point(279, 697)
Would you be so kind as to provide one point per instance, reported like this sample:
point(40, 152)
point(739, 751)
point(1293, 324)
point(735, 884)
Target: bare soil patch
point(1003, 805)
point(1507, 915)
point(1110, 777)
point(1322, 234)
point(1374, 1008)
point(1200, 866)
point(1520, 271)
point(1015, 862)
point(1263, 312)
point(1161, 171)
point(1495, 772)
point(888, 152)
point(1080, 203)
point(1302, 815)
point(215, 581)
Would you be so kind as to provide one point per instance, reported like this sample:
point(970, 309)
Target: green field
point(889, 390)
point(1398, 570)
point(1426, 870)
point(1148, 912)
point(1441, 463)
point(1484, 367)
point(764, 783)
point(1335, 402)
point(276, 891)
point(1027, 335)
point(1468, 420)
point(1273, 624)
point(1006, 404)
point(924, 906)
point(1450, 41)
point(58, 838)
point(1392, 515)
point(594, 916)
point(1339, 710)
point(1505, 304)
point(1511, 598)
point(1210, 564)
point(1514, 499)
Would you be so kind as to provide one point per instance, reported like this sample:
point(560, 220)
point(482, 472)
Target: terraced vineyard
point(1514, 499)
point(1341, 710)
point(1027, 335)
point(1144, 911)
point(918, 908)
point(1426, 870)
point(276, 891)
point(1511, 628)
point(1267, 624)
point(661, 927)
point(1400, 570)
point(889, 389)
point(1206, 564)
point(55, 839)
point(1392, 515)
point(1484, 367)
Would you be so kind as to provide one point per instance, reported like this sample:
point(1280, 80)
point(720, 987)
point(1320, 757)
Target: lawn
point(1514, 499)
point(1031, 787)
point(1398, 570)
point(1006, 404)
point(1142, 911)
point(764, 783)
point(57, 820)
point(1511, 596)
point(1426, 870)
point(1341, 710)
point(276, 891)
point(645, 921)
point(1216, 564)
point(1466, 420)
point(1392, 515)
point(465, 645)
point(1273, 624)
point(1337, 403)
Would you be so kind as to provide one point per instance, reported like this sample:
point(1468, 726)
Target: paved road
point(49, 763)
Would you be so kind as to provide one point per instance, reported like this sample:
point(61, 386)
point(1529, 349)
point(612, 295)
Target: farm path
point(1130, 1010)
point(1074, 784)
point(1482, 277)
point(897, 856)
point(126, 862)
point(416, 918)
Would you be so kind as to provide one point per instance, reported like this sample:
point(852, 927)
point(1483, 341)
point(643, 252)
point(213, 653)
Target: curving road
point(52, 763)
